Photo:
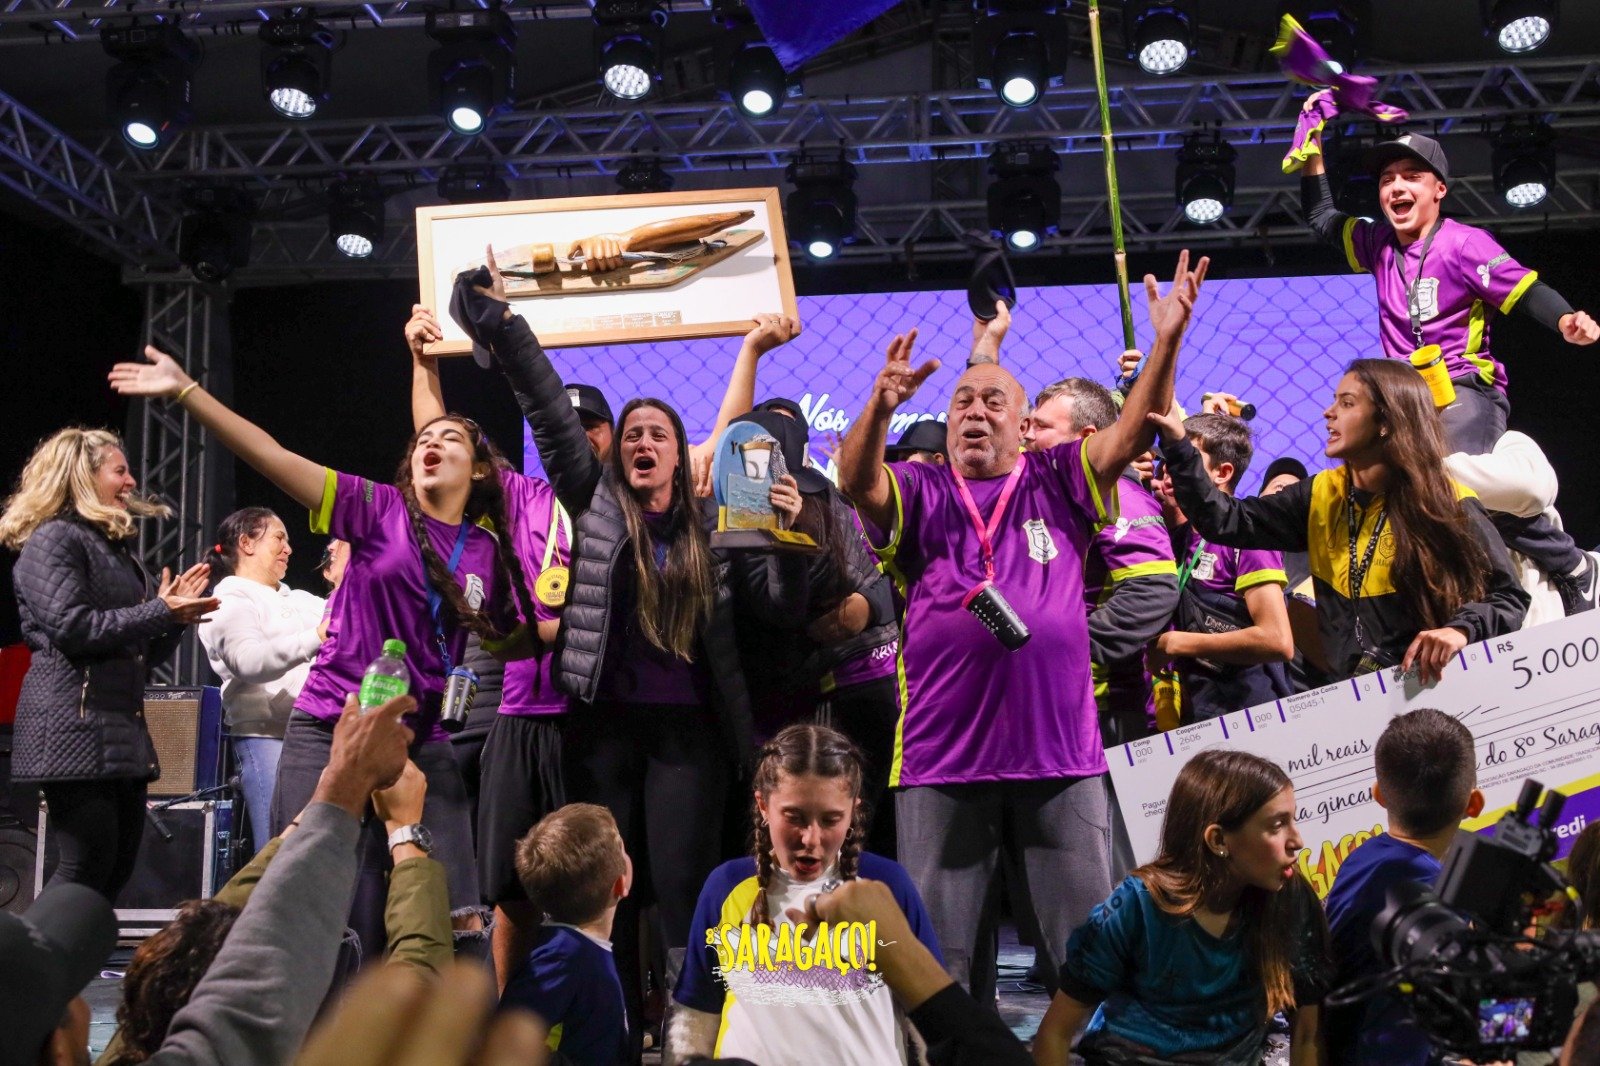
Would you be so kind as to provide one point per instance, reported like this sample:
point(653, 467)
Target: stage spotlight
point(1019, 47)
point(627, 43)
point(1159, 34)
point(756, 81)
point(1340, 26)
point(821, 211)
point(296, 59)
point(1519, 26)
point(643, 175)
point(466, 183)
point(1024, 198)
point(1524, 159)
point(148, 91)
point(473, 72)
point(355, 216)
point(214, 236)
point(1205, 178)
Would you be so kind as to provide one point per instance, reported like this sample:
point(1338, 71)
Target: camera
point(1477, 958)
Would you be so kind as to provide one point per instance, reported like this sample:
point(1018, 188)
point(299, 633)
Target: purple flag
point(1304, 61)
point(799, 30)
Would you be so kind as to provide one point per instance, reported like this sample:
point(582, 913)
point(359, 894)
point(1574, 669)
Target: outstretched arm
point(770, 331)
point(296, 475)
point(986, 336)
point(861, 472)
point(1115, 446)
point(427, 397)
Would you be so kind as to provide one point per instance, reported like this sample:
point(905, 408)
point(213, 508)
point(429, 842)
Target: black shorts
point(519, 783)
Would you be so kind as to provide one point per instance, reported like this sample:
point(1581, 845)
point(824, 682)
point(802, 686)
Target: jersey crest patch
point(474, 591)
point(1427, 299)
point(1205, 566)
point(1041, 546)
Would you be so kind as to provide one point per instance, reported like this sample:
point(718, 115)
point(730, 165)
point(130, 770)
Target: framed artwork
point(616, 269)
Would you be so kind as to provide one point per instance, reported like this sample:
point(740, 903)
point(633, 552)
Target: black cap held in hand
point(480, 317)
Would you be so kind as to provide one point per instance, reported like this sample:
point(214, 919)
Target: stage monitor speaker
point(186, 726)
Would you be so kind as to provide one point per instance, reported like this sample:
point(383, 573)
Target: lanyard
point(1358, 572)
point(986, 534)
point(1411, 286)
point(1188, 567)
point(435, 601)
point(559, 523)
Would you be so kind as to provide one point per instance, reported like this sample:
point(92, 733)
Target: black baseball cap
point(926, 435)
point(51, 953)
point(1413, 146)
point(588, 400)
point(1284, 464)
point(786, 406)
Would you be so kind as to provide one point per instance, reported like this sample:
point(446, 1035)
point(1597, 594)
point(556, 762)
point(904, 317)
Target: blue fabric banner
point(799, 29)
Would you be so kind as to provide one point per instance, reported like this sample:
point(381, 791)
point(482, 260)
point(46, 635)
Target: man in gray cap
point(1443, 282)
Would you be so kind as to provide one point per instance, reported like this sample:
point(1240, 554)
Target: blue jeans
point(258, 775)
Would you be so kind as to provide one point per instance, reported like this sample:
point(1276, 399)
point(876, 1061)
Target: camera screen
point(1504, 1020)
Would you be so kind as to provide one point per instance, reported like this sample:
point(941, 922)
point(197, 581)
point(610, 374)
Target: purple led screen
point(1279, 343)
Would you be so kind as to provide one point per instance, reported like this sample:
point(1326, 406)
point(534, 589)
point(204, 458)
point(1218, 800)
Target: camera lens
point(1413, 924)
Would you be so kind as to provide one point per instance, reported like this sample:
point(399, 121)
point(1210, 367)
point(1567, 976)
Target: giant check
point(1531, 699)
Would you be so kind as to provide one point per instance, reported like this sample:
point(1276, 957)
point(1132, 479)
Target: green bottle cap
point(396, 648)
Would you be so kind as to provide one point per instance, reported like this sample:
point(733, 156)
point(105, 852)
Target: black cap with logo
point(926, 435)
point(590, 401)
point(1412, 146)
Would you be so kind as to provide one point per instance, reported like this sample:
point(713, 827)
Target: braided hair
point(800, 750)
point(486, 500)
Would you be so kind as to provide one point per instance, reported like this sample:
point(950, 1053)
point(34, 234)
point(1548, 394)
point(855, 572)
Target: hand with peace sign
point(860, 462)
point(897, 381)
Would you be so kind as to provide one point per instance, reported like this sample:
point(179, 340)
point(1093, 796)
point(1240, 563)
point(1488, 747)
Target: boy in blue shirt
point(1427, 782)
point(575, 870)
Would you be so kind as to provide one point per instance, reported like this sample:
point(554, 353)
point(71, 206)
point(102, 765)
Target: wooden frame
point(743, 266)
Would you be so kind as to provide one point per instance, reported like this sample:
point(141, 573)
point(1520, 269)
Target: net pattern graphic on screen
point(1279, 343)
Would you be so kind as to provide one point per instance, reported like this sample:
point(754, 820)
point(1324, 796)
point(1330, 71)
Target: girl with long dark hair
point(398, 585)
point(96, 622)
point(260, 642)
point(808, 827)
point(1193, 954)
point(1407, 567)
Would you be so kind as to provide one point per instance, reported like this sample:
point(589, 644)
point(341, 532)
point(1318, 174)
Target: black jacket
point(90, 617)
point(600, 552)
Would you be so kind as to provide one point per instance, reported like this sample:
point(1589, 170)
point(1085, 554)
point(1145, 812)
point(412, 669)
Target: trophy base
point(784, 540)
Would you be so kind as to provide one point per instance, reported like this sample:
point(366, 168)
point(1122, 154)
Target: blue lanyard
point(436, 601)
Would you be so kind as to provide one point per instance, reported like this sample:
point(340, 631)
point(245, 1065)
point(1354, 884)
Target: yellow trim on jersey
point(736, 907)
point(1350, 245)
point(553, 1041)
point(1103, 516)
point(1154, 568)
point(1476, 323)
point(1519, 292)
point(323, 515)
point(1268, 576)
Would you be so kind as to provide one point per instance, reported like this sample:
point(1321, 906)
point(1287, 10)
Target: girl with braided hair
point(425, 569)
point(808, 824)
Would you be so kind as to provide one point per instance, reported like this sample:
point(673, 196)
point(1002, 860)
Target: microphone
point(161, 826)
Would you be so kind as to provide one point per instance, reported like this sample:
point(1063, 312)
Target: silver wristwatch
point(416, 834)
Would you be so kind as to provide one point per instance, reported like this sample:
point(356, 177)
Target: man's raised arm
point(860, 463)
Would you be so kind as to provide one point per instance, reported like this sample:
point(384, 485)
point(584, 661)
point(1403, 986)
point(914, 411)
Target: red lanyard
point(986, 534)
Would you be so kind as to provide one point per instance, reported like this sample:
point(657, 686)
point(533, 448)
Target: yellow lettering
point(823, 956)
point(746, 957)
point(785, 945)
point(857, 931)
point(802, 948)
point(724, 949)
point(764, 946)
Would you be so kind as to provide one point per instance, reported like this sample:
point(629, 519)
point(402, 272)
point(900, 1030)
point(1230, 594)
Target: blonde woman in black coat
point(95, 622)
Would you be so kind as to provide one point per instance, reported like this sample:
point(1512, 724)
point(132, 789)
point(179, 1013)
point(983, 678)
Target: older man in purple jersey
point(998, 747)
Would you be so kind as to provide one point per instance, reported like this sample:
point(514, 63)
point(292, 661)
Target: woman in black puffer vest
point(96, 623)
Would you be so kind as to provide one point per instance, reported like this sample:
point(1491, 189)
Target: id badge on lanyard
point(985, 600)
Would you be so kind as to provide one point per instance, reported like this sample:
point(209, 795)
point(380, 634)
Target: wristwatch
point(416, 834)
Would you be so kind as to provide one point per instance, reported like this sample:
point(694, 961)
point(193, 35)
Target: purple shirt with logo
point(1137, 544)
point(385, 595)
point(530, 688)
point(1467, 280)
point(974, 711)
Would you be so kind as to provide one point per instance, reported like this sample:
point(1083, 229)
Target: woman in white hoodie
point(261, 642)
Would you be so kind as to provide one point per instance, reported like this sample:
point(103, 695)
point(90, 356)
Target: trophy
point(747, 462)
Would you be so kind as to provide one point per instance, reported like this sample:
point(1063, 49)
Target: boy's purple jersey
point(970, 709)
point(1466, 280)
point(1136, 545)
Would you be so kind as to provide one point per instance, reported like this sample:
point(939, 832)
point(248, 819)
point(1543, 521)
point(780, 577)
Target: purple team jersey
point(530, 689)
point(1136, 545)
point(385, 594)
point(970, 709)
point(1467, 279)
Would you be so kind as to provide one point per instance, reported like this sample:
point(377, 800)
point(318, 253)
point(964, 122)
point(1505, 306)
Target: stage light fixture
point(355, 216)
point(627, 44)
point(1024, 198)
point(756, 81)
point(1340, 26)
point(467, 183)
point(821, 211)
point(214, 235)
point(473, 72)
point(296, 60)
point(1519, 26)
point(1205, 177)
point(643, 175)
point(149, 89)
point(1019, 48)
point(1524, 160)
point(1160, 34)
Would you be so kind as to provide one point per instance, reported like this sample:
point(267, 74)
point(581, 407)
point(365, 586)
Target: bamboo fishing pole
point(1119, 250)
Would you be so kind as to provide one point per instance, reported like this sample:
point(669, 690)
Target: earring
point(1222, 853)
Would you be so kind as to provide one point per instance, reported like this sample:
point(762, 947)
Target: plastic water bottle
point(386, 678)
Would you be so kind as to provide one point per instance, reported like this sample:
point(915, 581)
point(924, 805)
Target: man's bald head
point(985, 421)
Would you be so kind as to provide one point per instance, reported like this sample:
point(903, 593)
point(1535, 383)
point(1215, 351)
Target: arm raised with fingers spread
point(861, 473)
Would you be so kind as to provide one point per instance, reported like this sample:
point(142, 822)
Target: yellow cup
point(1429, 362)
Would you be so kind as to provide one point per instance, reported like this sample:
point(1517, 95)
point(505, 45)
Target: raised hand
point(897, 382)
point(986, 336)
point(1129, 361)
point(603, 251)
point(1579, 328)
point(182, 594)
point(161, 376)
point(771, 331)
point(1169, 314)
point(785, 497)
point(497, 282)
point(1218, 403)
point(422, 330)
point(192, 582)
point(1169, 425)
